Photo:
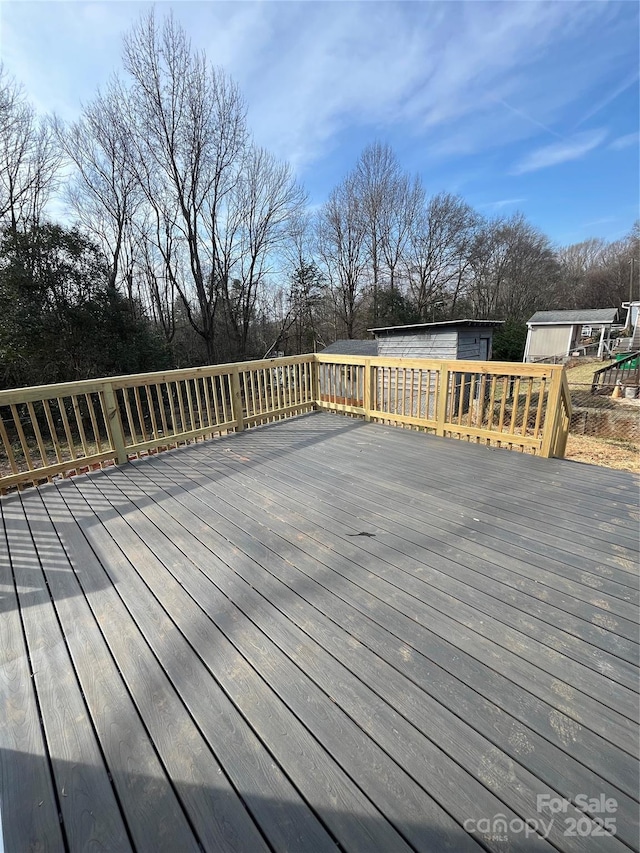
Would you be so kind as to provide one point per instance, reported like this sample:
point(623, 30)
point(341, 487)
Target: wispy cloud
point(625, 141)
point(528, 117)
point(462, 77)
point(501, 203)
point(560, 152)
point(611, 96)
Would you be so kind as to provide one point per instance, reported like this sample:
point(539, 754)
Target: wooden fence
point(625, 371)
point(55, 430)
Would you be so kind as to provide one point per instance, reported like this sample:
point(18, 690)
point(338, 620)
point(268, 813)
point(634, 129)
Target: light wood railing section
point(54, 430)
point(522, 407)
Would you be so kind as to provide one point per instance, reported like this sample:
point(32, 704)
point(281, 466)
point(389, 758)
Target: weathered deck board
point(240, 669)
point(80, 776)
point(425, 714)
point(28, 805)
point(258, 552)
point(441, 573)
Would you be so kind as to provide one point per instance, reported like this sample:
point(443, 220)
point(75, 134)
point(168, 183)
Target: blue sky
point(515, 105)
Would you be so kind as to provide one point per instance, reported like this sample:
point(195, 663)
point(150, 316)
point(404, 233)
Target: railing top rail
point(503, 368)
point(616, 364)
point(84, 386)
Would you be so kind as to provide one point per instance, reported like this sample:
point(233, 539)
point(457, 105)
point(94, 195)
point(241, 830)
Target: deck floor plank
point(28, 805)
point(495, 653)
point(256, 548)
point(461, 741)
point(225, 661)
point(313, 770)
point(610, 574)
point(554, 573)
point(392, 790)
point(212, 806)
point(436, 557)
point(248, 763)
point(154, 816)
point(433, 565)
point(90, 811)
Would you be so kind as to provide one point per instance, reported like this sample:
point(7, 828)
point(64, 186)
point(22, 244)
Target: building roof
point(588, 317)
point(425, 327)
point(352, 347)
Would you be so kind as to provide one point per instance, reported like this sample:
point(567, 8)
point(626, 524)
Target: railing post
point(114, 424)
point(316, 381)
point(441, 401)
point(236, 395)
point(552, 414)
point(368, 389)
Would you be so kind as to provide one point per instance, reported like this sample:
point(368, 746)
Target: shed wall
point(432, 345)
point(548, 341)
point(469, 343)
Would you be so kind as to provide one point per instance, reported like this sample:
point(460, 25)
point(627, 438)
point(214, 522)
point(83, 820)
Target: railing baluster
point(152, 413)
point(52, 430)
point(183, 421)
point(163, 413)
point(38, 435)
point(21, 436)
point(7, 447)
point(94, 423)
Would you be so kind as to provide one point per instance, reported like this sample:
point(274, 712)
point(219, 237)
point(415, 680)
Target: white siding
point(548, 341)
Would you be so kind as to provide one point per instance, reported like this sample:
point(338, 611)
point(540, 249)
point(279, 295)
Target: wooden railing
point(625, 371)
point(54, 430)
point(523, 407)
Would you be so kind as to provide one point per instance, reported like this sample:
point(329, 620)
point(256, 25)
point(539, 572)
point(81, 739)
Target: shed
point(453, 339)
point(556, 334)
point(469, 340)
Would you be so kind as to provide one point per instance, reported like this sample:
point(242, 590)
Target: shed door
point(484, 349)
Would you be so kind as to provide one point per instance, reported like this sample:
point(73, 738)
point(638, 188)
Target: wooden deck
point(321, 634)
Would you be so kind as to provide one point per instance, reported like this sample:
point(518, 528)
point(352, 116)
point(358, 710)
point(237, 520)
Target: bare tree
point(390, 201)
point(342, 230)
point(104, 192)
point(515, 269)
point(438, 254)
point(261, 210)
point(187, 120)
point(29, 158)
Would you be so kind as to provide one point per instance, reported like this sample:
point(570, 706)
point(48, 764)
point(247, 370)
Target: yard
point(621, 453)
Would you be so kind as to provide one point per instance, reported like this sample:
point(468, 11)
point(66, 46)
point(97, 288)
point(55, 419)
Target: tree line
point(191, 244)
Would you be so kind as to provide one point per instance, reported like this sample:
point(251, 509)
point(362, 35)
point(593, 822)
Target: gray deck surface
point(316, 635)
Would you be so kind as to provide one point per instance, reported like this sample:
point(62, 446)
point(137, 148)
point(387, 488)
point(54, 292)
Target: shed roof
point(352, 347)
point(436, 326)
point(592, 315)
